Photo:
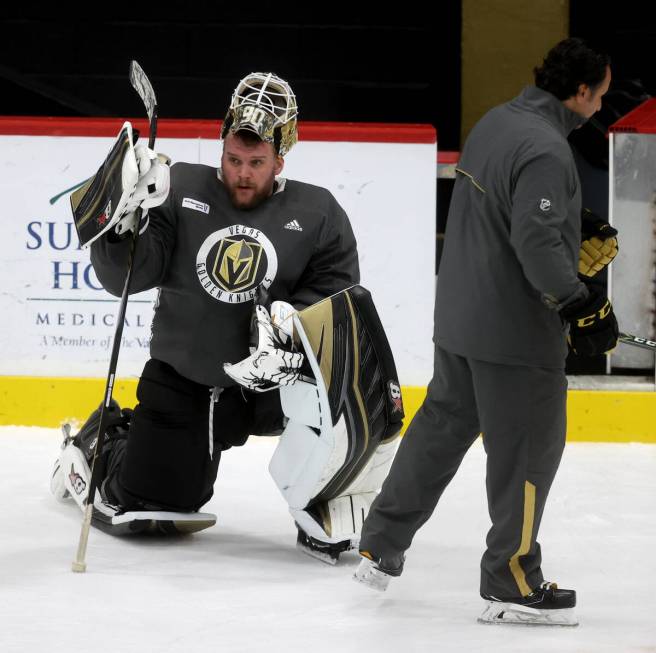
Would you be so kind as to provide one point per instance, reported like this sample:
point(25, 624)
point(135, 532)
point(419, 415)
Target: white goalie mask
point(266, 105)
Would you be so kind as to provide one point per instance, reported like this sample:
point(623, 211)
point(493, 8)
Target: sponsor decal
point(104, 216)
point(395, 396)
point(77, 482)
point(195, 205)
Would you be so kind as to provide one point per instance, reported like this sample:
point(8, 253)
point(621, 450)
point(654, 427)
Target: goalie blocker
point(339, 442)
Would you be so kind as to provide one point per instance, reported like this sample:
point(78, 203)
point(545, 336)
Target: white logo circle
point(233, 278)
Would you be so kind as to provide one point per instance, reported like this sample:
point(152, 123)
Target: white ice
point(243, 586)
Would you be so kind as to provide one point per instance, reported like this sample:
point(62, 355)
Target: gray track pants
point(521, 412)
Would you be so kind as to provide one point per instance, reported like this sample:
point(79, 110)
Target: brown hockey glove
point(598, 244)
point(593, 327)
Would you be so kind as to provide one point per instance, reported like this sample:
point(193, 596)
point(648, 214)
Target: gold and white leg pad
point(343, 419)
point(341, 518)
point(307, 463)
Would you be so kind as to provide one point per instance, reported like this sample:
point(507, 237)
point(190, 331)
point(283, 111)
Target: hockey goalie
point(239, 255)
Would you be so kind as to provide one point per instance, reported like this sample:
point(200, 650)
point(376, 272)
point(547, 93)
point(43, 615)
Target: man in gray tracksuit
point(507, 288)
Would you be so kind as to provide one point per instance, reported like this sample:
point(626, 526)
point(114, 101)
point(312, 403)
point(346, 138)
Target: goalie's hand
point(151, 190)
point(270, 365)
point(598, 246)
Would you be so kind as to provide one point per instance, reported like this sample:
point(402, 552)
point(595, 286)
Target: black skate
point(375, 572)
point(325, 551)
point(545, 606)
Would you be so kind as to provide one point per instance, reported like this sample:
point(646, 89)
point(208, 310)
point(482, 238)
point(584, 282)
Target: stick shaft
point(144, 88)
point(637, 341)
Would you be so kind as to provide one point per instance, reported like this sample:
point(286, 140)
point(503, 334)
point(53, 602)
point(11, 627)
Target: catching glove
point(270, 365)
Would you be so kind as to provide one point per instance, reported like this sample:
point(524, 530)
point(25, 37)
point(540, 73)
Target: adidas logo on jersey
point(293, 224)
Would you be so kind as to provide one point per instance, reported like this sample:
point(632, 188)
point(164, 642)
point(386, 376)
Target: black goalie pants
point(521, 412)
point(167, 461)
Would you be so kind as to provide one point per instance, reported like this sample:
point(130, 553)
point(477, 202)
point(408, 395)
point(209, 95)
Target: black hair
point(569, 64)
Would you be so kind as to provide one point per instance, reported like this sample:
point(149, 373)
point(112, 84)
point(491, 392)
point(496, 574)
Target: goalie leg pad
point(76, 474)
point(340, 520)
point(342, 432)
point(57, 479)
point(159, 522)
point(336, 520)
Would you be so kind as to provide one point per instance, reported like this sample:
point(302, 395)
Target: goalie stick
point(145, 90)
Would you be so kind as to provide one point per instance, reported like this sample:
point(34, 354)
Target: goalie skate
point(546, 606)
point(325, 551)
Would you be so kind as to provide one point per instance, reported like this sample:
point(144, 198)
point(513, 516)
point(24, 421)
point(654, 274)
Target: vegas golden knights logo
point(232, 262)
point(236, 264)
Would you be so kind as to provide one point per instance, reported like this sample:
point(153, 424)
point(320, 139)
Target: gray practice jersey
point(513, 235)
point(208, 258)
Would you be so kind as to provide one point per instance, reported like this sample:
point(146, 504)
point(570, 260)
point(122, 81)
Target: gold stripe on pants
point(525, 544)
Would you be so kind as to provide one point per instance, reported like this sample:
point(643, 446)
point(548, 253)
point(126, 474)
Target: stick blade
point(142, 85)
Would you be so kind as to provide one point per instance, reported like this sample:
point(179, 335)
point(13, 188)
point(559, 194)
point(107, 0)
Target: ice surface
point(242, 585)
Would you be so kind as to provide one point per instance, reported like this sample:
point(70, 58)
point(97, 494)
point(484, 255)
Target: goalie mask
point(265, 105)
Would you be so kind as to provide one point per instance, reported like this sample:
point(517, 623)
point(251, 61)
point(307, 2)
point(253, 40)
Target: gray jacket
point(513, 235)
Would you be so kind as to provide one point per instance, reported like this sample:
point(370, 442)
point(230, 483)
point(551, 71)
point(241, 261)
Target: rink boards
point(593, 415)
point(58, 322)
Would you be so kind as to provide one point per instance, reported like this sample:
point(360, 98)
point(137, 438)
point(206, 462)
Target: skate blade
point(511, 613)
point(373, 578)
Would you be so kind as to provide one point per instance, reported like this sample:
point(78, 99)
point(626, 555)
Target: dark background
point(626, 31)
point(354, 64)
point(346, 61)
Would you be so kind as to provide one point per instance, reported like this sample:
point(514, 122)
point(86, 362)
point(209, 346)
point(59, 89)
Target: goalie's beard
point(248, 197)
